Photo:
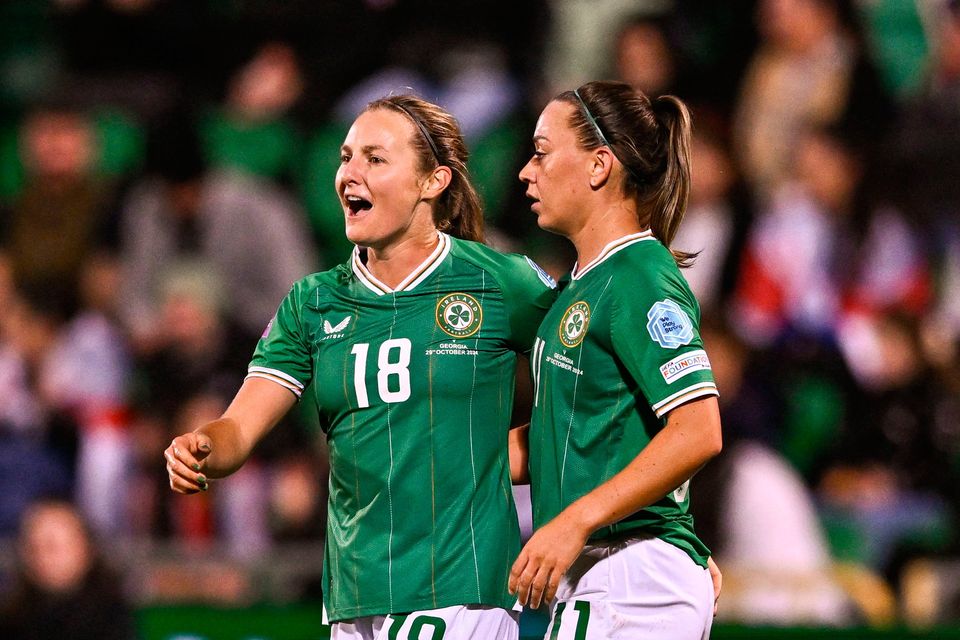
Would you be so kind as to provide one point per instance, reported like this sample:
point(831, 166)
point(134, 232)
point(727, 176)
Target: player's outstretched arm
point(220, 447)
point(690, 438)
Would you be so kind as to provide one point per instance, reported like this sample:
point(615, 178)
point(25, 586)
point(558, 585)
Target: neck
point(392, 263)
point(602, 226)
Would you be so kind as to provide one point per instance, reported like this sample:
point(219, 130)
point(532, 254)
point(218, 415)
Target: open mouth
point(356, 204)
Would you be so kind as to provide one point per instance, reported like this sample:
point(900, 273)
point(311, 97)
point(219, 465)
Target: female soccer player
point(625, 408)
point(410, 350)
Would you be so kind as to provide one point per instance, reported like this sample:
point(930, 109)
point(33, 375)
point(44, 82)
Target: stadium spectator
point(888, 477)
point(63, 587)
point(822, 217)
point(187, 380)
point(252, 131)
point(64, 210)
point(35, 437)
point(248, 232)
point(754, 510)
point(645, 56)
point(85, 373)
point(716, 217)
point(810, 69)
point(922, 160)
point(578, 46)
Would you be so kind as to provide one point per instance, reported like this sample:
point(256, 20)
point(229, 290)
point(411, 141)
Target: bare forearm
point(257, 407)
point(221, 446)
point(690, 438)
point(229, 449)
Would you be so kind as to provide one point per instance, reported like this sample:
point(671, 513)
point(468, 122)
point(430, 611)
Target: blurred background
point(166, 173)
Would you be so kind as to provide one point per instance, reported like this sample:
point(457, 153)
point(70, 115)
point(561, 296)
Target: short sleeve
point(655, 331)
point(528, 292)
point(281, 354)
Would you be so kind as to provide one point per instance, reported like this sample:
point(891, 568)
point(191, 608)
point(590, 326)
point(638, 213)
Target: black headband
point(603, 138)
point(423, 130)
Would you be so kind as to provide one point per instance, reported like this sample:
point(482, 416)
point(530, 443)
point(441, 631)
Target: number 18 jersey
point(415, 389)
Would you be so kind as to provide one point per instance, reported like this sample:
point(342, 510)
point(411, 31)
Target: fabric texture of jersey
point(619, 349)
point(415, 389)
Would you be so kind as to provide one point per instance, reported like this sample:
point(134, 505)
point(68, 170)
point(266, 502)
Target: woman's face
point(378, 182)
point(54, 548)
point(558, 174)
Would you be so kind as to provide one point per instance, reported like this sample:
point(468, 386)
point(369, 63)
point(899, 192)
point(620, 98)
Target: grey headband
point(423, 130)
point(603, 138)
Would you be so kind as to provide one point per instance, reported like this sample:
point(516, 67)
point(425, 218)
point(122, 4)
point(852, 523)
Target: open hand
point(542, 562)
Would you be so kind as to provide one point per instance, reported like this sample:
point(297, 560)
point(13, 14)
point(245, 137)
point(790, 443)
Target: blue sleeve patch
point(543, 275)
point(668, 325)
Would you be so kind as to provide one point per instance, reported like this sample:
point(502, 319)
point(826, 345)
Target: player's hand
point(717, 578)
point(541, 564)
point(185, 457)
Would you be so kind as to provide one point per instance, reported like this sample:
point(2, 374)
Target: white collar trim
point(418, 275)
point(612, 248)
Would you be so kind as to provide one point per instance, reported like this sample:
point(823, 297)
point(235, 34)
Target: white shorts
point(461, 622)
point(633, 588)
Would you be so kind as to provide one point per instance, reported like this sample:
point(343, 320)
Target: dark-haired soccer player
point(625, 408)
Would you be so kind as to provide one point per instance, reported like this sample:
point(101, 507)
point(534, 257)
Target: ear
point(435, 183)
point(600, 167)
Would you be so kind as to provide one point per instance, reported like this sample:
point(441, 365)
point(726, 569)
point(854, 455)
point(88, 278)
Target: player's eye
point(344, 158)
point(376, 160)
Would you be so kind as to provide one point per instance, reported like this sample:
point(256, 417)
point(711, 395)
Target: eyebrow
point(368, 148)
point(540, 138)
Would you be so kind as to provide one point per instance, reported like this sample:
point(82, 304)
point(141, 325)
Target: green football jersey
point(415, 388)
point(619, 349)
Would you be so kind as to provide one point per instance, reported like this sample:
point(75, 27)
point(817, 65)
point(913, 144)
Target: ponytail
point(673, 190)
point(459, 212)
point(439, 141)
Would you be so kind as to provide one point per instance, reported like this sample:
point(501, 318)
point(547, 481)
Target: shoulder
point(510, 270)
point(317, 283)
point(647, 272)
point(648, 258)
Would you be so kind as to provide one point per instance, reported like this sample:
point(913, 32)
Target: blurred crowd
point(166, 173)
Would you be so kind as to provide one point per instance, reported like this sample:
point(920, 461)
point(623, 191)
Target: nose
point(527, 174)
point(348, 173)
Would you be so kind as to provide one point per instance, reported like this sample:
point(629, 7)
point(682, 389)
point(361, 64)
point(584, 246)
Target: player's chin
point(356, 231)
point(545, 221)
